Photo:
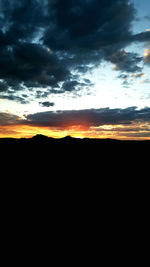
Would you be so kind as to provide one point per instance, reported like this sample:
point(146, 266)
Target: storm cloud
point(44, 42)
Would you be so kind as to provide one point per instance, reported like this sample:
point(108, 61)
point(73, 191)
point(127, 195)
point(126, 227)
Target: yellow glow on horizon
point(134, 132)
point(24, 131)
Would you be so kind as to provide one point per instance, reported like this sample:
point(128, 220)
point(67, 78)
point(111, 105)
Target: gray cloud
point(46, 104)
point(142, 37)
point(9, 119)
point(3, 86)
point(126, 62)
point(44, 42)
point(34, 63)
point(74, 85)
point(89, 117)
point(20, 99)
point(134, 122)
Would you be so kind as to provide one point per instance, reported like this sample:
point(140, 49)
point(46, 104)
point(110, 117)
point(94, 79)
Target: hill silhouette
point(70, 166)
point(86, 148)
point(40, 139)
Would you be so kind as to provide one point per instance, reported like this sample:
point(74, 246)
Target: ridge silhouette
point(87, 148)
point(39, 138)
point(73, 163)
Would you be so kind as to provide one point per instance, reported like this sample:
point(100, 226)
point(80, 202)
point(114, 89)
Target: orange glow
point(132, 132)
point(28, 131)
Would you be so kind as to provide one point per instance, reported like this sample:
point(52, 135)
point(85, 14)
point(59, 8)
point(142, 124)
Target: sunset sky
point(75, 67)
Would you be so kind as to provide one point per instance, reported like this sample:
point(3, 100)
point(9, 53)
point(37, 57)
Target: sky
point(75, 67)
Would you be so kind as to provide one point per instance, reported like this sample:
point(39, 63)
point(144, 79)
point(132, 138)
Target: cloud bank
point(88, 117)
point(129, 122)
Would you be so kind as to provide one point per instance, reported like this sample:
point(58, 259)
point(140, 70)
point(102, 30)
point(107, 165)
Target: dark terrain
point(74, 150)
point(46, 144)
point(97, 170)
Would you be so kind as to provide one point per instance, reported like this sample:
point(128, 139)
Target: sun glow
point(147, 53)
point(106, 131)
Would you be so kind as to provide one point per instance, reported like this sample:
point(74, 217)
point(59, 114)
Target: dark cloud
point(134, 122)
point(20, 99)
point(74, 85)
point(46, 104)
point(23, 59)
point(8, 119)
point(89, 117)
point(108, 32)
point(3, 86)
point(31, 66)
point(142, 37)
point(89, 43)
point(137, 134)
point(109, 23)
point(34, 63)
point(44, 42)
point(22, 20)
point(127, 62)
point(70, 85)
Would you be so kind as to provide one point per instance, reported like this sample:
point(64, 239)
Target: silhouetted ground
point(45, 143)
point(42, 149)
point(42, 139)
point(85, 173)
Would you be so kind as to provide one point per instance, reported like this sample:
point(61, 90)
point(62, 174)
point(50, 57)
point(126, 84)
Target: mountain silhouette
point(39, 139)
point(86, 146)
point(93, 166)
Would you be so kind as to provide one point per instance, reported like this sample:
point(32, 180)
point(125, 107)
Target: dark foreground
point(75, 151)
point(47, 144)
point(70, 170)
